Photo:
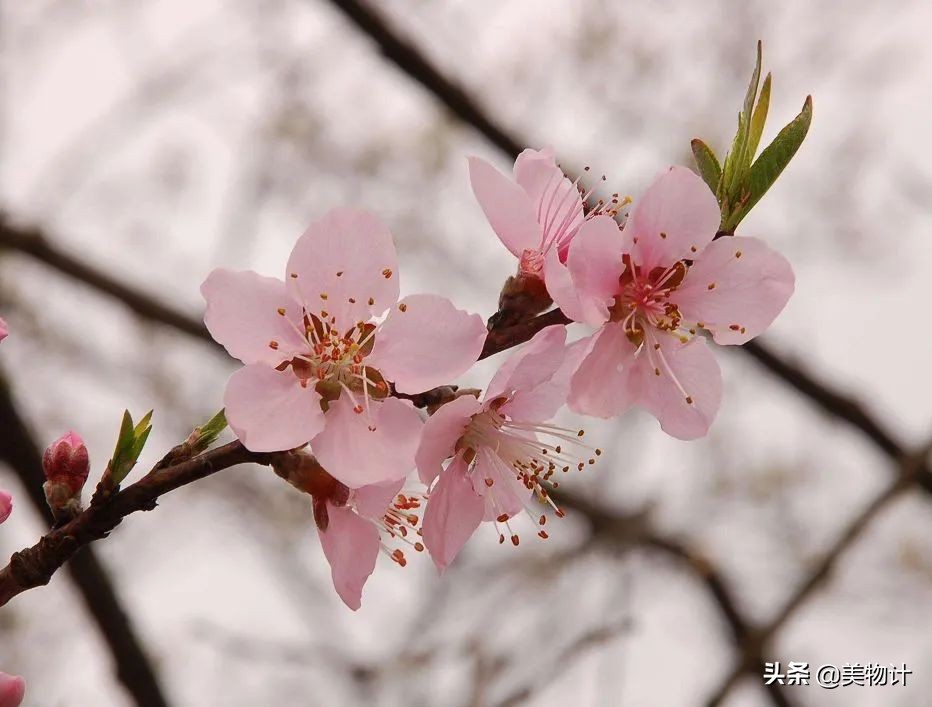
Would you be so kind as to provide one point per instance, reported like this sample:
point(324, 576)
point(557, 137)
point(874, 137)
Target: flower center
point(645, 299)
point(530, 452)
point(334, 361)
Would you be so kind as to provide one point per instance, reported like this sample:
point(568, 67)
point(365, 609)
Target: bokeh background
point(158, 139)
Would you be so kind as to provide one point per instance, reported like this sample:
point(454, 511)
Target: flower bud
point(12, 690)
point(6, 505)
point(66, 464)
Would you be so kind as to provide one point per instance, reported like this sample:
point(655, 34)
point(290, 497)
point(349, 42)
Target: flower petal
point(454, 511)
point(505, 495)
point(677, 213)
point(270, 411)
point(358, 456)
point(4, 330)
point(425, 341)
point(243, 315)
point(372, 501)
point(531, 365)
point(342, 262)
point(698, 374)
point(6, 505)
point(750, 285)
point(12, 690)
point(594, 262)
point(351, 546)
point(440, 433)
point(556, 201)
point(602, 385)
point(507, 207)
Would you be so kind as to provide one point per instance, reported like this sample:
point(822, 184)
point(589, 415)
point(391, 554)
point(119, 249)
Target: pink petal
point(270, 411)
point(4, 330)
point(358, 456)
point(6, 505)
point(698, 373)
point(453, 513)
point(441, 431)
point(752, 285)
point(543, 402)
point(531, 365)
point(594, 262)
point(677, 213)
point(425, 341)
point(242, 315)
point(342, 261)
point(562, 289)
point(507, 207)
point(602, 384)
point(12, 690)
point(556, 200)
point(351, 546)
point(372, 501)
point(506, 496)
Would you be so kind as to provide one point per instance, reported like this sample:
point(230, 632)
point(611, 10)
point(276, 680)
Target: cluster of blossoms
point(332, 357)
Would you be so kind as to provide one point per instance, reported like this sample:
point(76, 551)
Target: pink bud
point(6, 505)
point(12, 690)
point(66, 462)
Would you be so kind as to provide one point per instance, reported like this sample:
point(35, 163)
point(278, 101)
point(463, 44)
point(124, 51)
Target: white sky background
point(162, 138)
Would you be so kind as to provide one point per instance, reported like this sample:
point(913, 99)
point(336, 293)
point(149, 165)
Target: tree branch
point(34, 566)
point(134, 670)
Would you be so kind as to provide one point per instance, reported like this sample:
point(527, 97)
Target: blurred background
point(158, 139)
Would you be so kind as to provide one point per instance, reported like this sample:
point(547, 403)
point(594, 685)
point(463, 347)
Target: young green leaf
point(708, 165)
point(772, 161)
point(758, 118)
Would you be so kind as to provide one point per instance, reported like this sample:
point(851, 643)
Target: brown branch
point(34, 566)
point(752, 650)
point(134, 670)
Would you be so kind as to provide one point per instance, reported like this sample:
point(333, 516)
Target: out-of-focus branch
point(623, 531)
point(752, 649)
point(409, 58)
point(19, 450)
point(34, 566)
point(32, 242)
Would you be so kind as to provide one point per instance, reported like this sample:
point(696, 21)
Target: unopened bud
point(12, 690)
point(523, 296)
point(6, 505)
point(66, 465)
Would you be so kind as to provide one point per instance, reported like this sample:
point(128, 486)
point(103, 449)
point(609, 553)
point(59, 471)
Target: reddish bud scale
point(66, 462)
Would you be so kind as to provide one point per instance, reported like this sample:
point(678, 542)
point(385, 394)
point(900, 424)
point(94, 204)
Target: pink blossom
point(12, 690)
point(318, 358)
point(504, 453)
point(4, 330)
point(354, 525)
point(538, 211)
point(6, 505)
point(650, 288)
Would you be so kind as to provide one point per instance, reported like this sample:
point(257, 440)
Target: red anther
point(489, 482)
point(387, 273)
point(357, 359)
point(273, 345)
point(412, 519)
point(543, 534)
point(561, 513)
point(501, 539)
point(542, 520)
point(403, 530)
point(358, 409)
point(419, 547)
point(281, 311)
point(515, 540)
point(502, 518)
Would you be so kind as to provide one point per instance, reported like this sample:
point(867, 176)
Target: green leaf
point(758, 118)
point(707, 163)
point(772, 161)
point(751, 94)
point(207, 434)
point(129, 446)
